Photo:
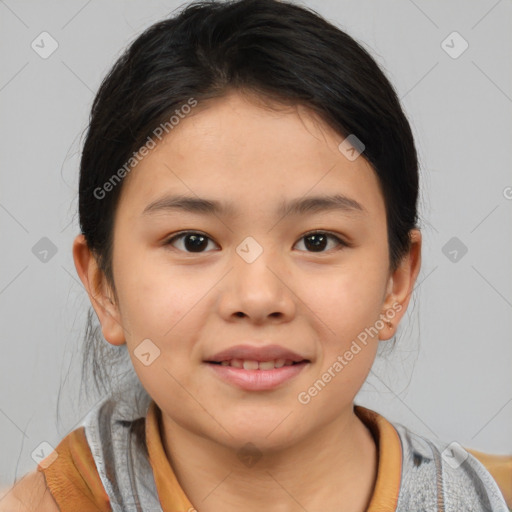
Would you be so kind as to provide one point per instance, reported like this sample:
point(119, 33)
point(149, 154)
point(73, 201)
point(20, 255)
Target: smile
point(247, 364)
point(257, 375)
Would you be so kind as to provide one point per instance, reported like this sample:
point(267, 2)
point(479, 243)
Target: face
point(195, 282)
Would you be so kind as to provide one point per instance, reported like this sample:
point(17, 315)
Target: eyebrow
point(299, 206)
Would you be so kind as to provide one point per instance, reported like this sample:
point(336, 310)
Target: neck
point(336, 465)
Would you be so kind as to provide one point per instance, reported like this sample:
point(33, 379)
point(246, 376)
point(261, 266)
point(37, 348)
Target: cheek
point(349, 303)
point(155, 304)
point(347, 312)
point(351, 297)
point(170, 305)
point(162, 308)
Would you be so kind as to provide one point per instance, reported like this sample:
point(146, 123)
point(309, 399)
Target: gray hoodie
point(436, 476)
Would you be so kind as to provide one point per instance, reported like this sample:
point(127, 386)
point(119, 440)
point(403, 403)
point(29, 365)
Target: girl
point(248, 212)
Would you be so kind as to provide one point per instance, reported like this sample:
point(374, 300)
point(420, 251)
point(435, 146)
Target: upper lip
point(252, 353)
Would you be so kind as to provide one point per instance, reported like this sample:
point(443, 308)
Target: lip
point(257, 380)
point(253, 353)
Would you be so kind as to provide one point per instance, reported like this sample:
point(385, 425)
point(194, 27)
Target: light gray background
point(449, 376)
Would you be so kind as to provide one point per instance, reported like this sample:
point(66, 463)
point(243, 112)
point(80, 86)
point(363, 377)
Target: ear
point(100, 294)
point(400, 286)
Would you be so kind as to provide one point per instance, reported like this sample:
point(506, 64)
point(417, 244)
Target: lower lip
point(257, 380)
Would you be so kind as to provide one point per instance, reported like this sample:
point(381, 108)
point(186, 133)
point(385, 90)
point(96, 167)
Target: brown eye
point(191, 241)
point(318, 241)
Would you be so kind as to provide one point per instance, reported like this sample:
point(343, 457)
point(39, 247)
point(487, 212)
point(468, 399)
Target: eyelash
point(341, 243)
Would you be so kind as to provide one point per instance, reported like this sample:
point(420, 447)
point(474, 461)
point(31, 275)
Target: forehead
point(239, 151)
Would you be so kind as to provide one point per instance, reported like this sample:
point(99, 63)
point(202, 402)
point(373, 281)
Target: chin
point(270, 436)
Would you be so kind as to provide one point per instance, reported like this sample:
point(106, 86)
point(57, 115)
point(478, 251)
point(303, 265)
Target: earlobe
point(400, 287)
point(99, 292)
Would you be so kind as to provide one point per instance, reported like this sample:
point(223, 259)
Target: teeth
point(247, 364)
point(250, 365)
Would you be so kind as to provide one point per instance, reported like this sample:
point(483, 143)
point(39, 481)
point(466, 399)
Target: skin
point(29, 494)
point(193, 304)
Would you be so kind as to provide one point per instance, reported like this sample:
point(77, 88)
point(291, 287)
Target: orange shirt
point(75, 484)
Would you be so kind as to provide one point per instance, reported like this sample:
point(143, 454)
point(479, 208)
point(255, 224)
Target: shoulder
point(437, 472)
point(71, 475)
point(66, 480)
point(30, 494)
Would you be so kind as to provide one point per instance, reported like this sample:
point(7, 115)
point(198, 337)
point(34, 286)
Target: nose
point(258, 290)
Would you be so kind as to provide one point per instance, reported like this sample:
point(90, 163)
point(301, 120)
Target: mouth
point(250, 375)
point(247, 364)
point(256, 368)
